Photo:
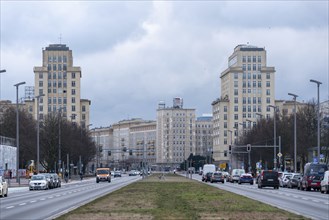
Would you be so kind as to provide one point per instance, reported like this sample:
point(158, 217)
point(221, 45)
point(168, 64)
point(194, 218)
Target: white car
point(38, 181)
point(325, 183)
point(3, 187)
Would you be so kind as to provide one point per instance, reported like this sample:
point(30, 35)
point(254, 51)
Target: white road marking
point(22, 204)
point(10, 207)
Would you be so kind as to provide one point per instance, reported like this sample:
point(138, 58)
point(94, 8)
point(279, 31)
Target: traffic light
point(130, 152)
point(229, 149)
point(124, 149)
point(225, 153)
point(109, 153)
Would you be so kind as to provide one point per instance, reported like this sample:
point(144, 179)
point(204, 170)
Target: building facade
point(175, 134)
point(203, 136)
point(59, 81)
point(247, 90)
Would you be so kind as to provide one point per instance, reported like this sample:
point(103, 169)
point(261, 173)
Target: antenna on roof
point(60, 38)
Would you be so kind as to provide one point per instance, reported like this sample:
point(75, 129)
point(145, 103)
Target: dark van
point(268, 178)
point(313, 173)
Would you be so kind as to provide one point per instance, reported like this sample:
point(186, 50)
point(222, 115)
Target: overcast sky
point(134, 54)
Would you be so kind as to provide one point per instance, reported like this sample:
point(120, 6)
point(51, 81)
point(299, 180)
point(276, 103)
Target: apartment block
point(176, 128)
point(247, 90)
point(203, 135)
point(59, 81)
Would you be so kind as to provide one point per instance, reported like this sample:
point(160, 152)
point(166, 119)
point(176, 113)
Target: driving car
point(268, 178)
point(117, 173)
point(207, 177)
point(217, 177)
point(50, 180)
point(284, 178)
point(38, 181)
point(103, 174)
point(235, 175)
point(325, 183)
point(246, 178)
point(3, 187)
point(293, 180)
point(56, 180)
point(313, 173)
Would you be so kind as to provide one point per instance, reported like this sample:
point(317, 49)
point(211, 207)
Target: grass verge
point(175, 197)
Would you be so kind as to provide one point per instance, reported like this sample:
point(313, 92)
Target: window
point(254, 76)
point(236, 92)
point(225, 124)
point(259, 59)
point(73, 108)
point(64, 75)
point(254, 67)
point(236, 76)
point(40, 83)
point(259, 100)
point(49, 100)
point(73, 91)
point(64, 100)
point(236, 108)
point(54, 59)
point(254, 108)
point(49, 67)
point(60, 67)
point(54, 67)
point(73, 75)
point(249, 84)
point(225, 108)
point(259, 76)
point(73, 83)
point(83, 116)
point(249, 75)
point(225, 133)
point(249, 108)
point(55, 90)
point(268, 100)
point(49, 90)
point(243, 59)
point(49, 59)
point(64, 59)
point(225, 116)
point(73, 99)
point(244, 100)
point(254, 100)
point(236, 84)
point(244, 84)
point(83, 108)
point(249, 100)
point(54, 100)
point(236, 100)
point(244, 76)
point(268, 76)
point(268, 92)
point(268, 84)
point(259, 67)
point(64, 84)
point(244, 108)
point(249, 59)
point(59, 100)
point(59, 59)
point(253, 83)
point(40, 75)
point(54, 84)
point(249, 67)
point(65, 66)
point(236, 117)
point(253, 58)
point(59, 84)
point(243, 67)
point(259, 84)
point(54, 75)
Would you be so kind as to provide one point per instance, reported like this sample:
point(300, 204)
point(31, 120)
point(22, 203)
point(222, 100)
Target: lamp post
point(38, 131)
point(274, 133)
point(1, 71)
point(295, 132)
point(59, 140)
point(318, 115)
point(17, 132)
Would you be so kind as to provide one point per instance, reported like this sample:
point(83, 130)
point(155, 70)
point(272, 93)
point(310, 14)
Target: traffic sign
point(279, 154)
point(321, 156)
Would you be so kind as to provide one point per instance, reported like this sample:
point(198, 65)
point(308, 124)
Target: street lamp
point(59, 139)
point(318, 83)
point(17, 132)
point(231, 149)
point(295, 132)
point(1, 71)
point(274, 133)
point(38, 132)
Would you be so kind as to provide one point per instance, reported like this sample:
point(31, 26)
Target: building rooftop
point(247, 47)
point(57, 47)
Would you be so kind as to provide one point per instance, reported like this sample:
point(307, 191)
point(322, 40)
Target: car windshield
point(217, 174)
point(270, 174)
point(102, 171)
point(38, 177)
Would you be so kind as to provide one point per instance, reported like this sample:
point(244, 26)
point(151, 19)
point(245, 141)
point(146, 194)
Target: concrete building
point(60, 82)
point(247, 88)
point(175, 134)
point(203, 135)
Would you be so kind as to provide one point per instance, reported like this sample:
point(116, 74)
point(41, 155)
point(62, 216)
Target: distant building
point(175, 134)
point(203, 136)
point(247, 88)
point(60, 82)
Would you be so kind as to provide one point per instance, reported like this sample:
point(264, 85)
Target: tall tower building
point(175, 134)
point(247, 90)
point(59, 81)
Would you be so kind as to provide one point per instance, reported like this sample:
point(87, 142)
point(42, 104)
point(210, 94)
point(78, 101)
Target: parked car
point(268, 178)
point(207, 176)
point(313, 173)
point(293, 180)
point(325, 183)
point(246, 178)
point(235, 175)
point(3, 187)
point(56, 180)
point(284, 178)
point(38, 181)
point(117, 173)
point(217, 177)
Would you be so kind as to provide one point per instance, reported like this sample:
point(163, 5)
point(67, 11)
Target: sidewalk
point(13, 183)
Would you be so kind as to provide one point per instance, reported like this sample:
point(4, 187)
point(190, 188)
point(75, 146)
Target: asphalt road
point(23, 204)
point(311, 204)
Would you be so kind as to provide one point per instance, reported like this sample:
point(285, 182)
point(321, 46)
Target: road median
point(175, 197)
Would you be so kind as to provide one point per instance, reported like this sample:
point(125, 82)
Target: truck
point(207, 168)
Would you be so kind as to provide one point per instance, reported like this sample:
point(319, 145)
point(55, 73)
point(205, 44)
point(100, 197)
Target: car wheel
point(239, 183)
point(6, 193)
point(251, 183)
point(308, 188)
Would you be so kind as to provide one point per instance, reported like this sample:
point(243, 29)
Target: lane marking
point(10, 207)
point(24, 203)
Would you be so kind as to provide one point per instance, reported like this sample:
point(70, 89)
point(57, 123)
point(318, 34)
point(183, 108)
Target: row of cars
point(44, 181)
point(3, 187)
point(316, 177)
